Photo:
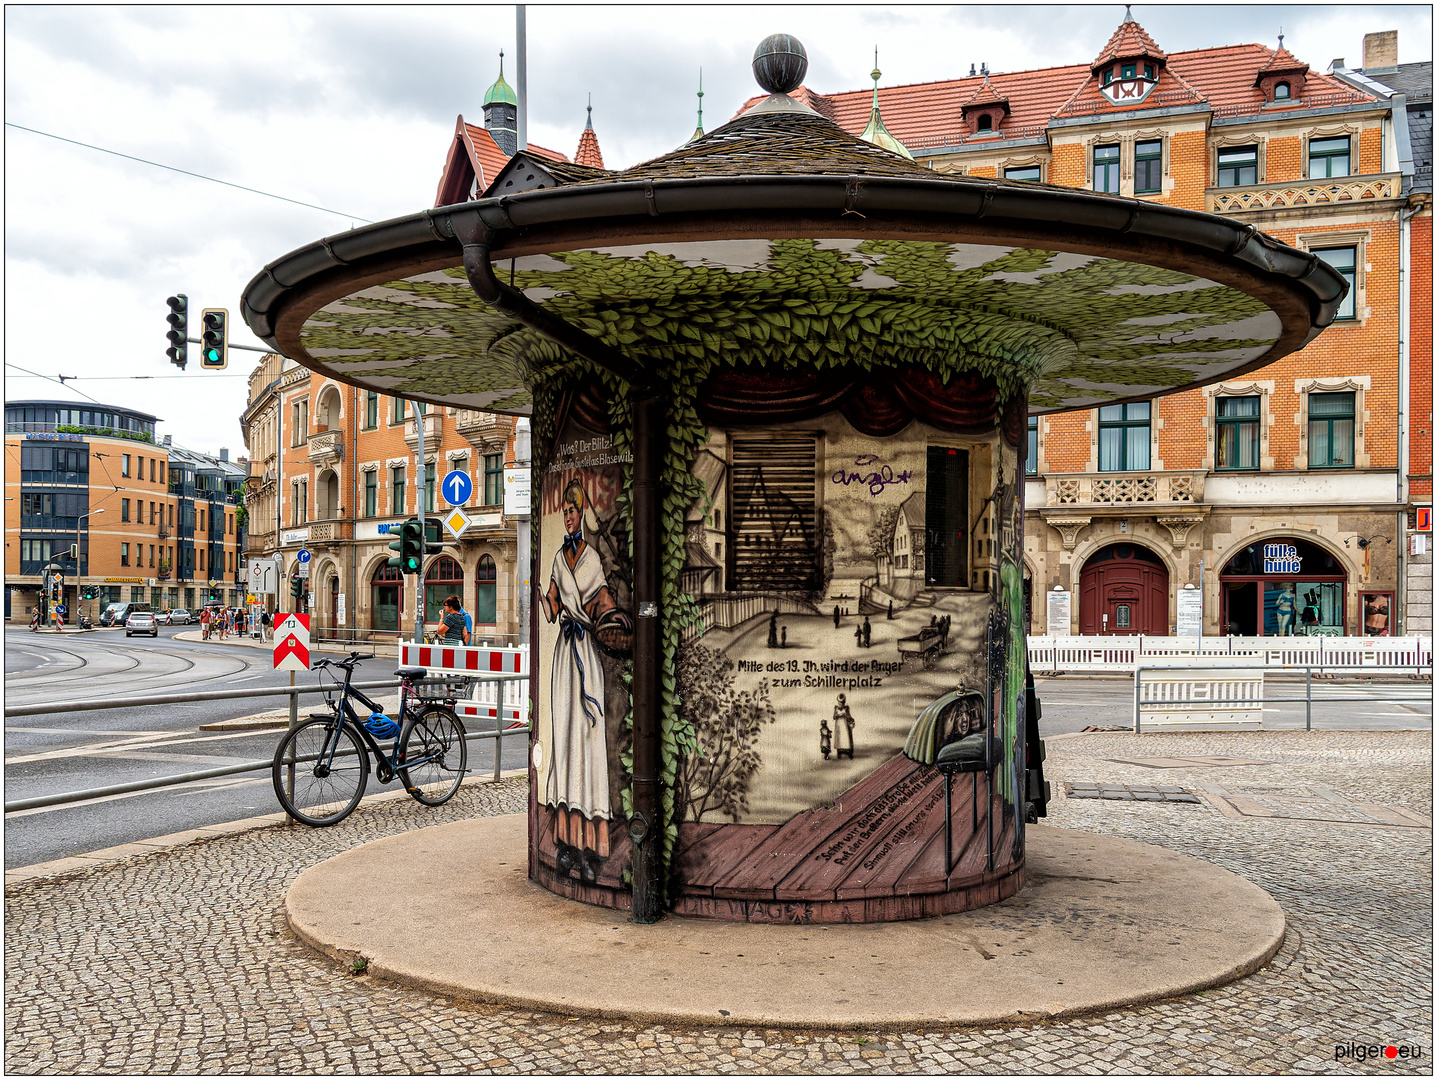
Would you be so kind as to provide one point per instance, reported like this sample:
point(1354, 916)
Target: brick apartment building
point(1291, 496)
point(154, 522)
point(331, 464)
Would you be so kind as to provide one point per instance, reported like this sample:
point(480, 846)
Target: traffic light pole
point(419, 492)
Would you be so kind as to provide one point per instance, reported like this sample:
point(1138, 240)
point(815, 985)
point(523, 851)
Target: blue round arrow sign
point(303, 555)
point(457, 488)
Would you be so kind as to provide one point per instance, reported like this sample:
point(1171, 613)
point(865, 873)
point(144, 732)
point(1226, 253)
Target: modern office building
point(152, 522)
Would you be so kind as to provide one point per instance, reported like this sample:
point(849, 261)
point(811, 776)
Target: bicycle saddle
point(411, 672)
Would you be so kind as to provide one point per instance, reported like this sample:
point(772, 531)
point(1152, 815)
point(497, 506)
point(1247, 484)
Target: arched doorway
point(386, 601)
point(1283, 587)
point(485, 592)
point(1123, 590)
point(442, 580)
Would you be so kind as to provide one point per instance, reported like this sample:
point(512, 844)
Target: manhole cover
point(1301, 808)
point(1130, 793)
point(1188, 762)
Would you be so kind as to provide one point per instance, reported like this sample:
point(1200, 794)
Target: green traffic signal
point(411, 556)
point(410, 546)
point(214, 347)
point(296, 587)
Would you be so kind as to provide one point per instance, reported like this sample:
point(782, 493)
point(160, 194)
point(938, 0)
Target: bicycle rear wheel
point(323, 795)
point(435, 756)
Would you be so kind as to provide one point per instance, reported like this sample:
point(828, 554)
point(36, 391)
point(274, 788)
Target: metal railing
point(1244, 703)
point(294, 693)
point(1112, 653)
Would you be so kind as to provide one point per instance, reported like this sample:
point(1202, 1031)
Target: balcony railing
point(331, 530)
point(487, 432)
point(433, 431)
point(1159, 489)
point(1304, 194)
point(326, 446)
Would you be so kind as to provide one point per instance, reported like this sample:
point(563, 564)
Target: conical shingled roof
point(777, 144)
point(1129, 41)
point(588, 152)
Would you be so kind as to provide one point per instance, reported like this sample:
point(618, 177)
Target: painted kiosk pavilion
point(779, 382)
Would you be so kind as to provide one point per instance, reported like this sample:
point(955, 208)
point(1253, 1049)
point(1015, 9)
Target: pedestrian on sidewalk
point(453, 623)
point(264, 625)
point(205, 624)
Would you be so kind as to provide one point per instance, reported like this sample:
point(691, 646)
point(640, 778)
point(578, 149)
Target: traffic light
point(296, 586)
point(432, 537)
point(214, 340)
point(179, 320)
point(410, 546)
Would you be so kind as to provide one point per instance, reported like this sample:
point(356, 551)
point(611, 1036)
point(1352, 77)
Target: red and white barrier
point(488, 701)
point(464, 659)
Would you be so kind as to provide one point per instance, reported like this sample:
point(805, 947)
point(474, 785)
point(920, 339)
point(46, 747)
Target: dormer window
point(1148, 72)
point(1130, 71)
point(1108, 77)
point(985, 123)
point(1282, 92)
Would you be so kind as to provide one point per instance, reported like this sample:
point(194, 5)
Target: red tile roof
point(924, 115)
point(474, 155)
point(1282, 62)
point(986, 95)
point(1129, 41)
point(588, 152)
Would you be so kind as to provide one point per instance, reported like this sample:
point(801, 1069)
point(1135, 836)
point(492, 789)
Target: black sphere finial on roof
point(780, 63)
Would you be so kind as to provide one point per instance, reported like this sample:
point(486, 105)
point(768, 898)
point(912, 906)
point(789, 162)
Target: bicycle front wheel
point(434, 756)
point(329, 768)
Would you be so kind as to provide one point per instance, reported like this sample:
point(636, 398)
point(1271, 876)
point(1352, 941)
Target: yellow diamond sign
point(456, 522)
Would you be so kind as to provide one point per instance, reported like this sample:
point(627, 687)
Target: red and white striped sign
point(291, 643)
point(464, 659)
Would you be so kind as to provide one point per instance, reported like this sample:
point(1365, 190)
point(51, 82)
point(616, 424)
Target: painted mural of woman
point(577, 786)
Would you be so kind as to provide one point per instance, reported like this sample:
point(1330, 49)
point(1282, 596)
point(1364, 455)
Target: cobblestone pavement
point(181, 962)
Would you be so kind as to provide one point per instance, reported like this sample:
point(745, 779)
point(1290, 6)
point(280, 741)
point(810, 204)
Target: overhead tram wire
point(187, 172)
point(113, 378)
point(65, 382)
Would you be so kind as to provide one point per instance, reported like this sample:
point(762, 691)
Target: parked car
point(118, 613)
point(178, 615)
point(142, 622)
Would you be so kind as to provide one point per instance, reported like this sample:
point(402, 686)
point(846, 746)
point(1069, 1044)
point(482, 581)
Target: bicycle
point(325, 760)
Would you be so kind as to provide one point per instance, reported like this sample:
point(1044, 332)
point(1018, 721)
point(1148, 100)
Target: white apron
point(578, 760)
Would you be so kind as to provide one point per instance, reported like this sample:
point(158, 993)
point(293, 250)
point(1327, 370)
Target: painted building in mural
point(1327, 451)
point(801, 666)
point(155, 523)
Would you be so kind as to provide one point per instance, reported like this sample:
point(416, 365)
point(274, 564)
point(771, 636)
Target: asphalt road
point(76, 751)
point(82, 750)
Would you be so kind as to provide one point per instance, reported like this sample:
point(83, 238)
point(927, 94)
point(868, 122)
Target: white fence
point(1098, 653)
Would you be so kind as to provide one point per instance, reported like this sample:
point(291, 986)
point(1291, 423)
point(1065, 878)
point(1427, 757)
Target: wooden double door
point(1123, 590)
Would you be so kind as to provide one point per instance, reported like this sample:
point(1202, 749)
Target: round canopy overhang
point(758, 257)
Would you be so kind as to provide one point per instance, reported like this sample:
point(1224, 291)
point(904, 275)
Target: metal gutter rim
point(1030, 206)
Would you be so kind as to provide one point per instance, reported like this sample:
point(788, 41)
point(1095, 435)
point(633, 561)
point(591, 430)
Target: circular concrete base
point(1101, 922)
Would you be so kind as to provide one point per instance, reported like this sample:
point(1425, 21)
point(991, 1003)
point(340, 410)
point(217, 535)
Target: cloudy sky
point(351, 109)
